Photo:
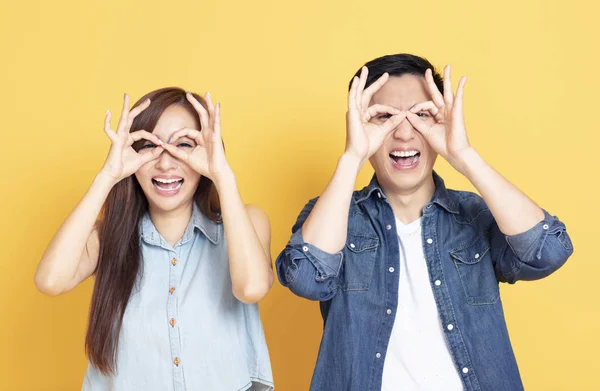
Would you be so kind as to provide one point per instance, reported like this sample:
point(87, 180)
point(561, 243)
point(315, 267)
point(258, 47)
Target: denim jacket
point(467, 256)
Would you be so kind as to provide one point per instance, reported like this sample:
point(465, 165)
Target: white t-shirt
point(418, 357)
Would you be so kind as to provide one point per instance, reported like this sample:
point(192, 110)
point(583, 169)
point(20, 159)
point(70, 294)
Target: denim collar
point(199, 220)
point(442, 196)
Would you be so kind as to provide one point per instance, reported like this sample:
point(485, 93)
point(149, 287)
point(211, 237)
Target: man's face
point(405, 160)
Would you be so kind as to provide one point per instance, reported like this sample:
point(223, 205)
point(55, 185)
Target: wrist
point(224, 180)
point(103, 183)
point(465, 161)
point(351, 162)
point(105, 179)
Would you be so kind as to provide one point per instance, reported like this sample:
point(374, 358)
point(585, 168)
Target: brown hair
point(119, 258)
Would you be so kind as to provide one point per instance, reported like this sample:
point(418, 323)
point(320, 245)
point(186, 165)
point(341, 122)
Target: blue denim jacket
point(467, 255)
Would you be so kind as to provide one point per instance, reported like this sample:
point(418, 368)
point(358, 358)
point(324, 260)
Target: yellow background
point(280, 69)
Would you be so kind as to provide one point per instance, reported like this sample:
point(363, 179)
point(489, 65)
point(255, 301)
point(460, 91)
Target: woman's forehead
point(174, 118)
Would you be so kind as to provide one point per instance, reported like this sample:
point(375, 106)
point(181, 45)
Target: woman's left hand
point(207, 157)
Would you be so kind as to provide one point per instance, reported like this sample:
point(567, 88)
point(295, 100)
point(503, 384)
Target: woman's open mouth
point(167, 186)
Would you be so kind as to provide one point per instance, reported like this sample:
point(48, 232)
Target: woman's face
point(169, 183)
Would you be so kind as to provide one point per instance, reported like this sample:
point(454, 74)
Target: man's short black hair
point(398, 65)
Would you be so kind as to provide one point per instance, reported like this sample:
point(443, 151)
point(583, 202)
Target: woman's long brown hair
point(119, 260)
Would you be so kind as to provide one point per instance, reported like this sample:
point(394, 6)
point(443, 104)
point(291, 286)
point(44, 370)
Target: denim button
point(388, 227)
point(378, 355)
point(437, 283)
point(477, 256)
point(465, 370)
point(450, 327)
point(429, 241)
point(305, 249)
point(391, 269)
point(545, 226)
point(352, 245)
point(389, 311)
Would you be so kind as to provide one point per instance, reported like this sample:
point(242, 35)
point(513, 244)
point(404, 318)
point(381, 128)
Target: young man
point(406, 270)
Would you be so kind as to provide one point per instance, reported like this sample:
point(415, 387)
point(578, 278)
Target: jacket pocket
point(476, 271)
point(359, 261)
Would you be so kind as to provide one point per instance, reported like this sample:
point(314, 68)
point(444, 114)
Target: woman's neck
point(171, 225)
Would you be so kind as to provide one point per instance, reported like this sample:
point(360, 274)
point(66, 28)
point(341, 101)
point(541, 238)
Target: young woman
point(179, 261)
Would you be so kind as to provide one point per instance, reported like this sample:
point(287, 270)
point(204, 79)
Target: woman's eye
point(148, 145)
point(184, 145)
point(383, 116)
point(423, 114)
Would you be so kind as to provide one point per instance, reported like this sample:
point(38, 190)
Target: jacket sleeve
point(533, 254)
point(308, 271)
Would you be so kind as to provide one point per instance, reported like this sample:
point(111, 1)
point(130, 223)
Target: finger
point(107, 129)
point(187, 132)
point(174, 151)
point(153, 155)
point(136, 111)
point(458, 103)
point(122, 127)
point(362, 82)
point(373, 88)
point(426, 106)
point(374, 110)
point(436, 95)
point(393, 122)
point(352, 93)
point(142, 134)
point(211, 109)
point(199, 109)
point(216, 136)
point(448, 93)
point(417, 123)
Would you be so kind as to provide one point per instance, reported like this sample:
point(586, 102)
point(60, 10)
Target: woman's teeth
point(167, 184)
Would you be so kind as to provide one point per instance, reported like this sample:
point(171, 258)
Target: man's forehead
point(402, 92)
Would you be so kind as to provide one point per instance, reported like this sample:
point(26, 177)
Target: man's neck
point(171, 225)
point(408, 204)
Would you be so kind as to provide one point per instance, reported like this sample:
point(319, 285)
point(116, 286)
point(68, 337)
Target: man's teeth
point(161, 180)
point(404, 153)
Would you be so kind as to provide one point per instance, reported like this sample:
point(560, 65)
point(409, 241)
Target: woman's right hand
point(364, 136)
point(123, 160)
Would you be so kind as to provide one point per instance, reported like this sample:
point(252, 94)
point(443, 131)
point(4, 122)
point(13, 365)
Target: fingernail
point(169, 141)
point(108, 112)
point(124, 95)
point(208, 94)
